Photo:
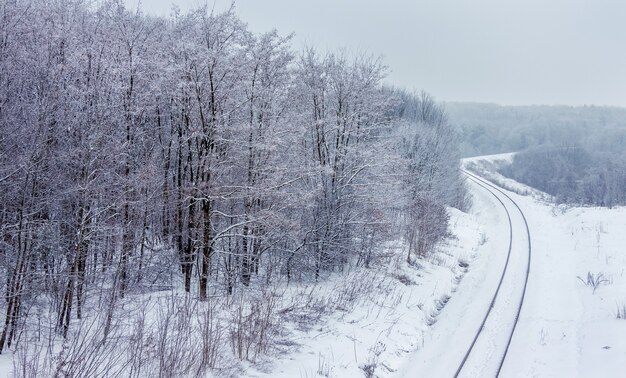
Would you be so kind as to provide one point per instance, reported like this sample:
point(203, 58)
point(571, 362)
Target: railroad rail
point(493, 189)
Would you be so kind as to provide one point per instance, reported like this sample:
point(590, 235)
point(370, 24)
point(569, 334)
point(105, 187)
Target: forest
point(575, 154)
point(145, 155)
point(585, 175)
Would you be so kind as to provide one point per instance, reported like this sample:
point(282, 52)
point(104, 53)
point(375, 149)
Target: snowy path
point(450, 338)
point(487, 353)
point(566, 327)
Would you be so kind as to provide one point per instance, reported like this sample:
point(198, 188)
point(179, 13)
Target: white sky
point(504, 51)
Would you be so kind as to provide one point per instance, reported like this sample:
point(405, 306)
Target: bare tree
point(139, 153)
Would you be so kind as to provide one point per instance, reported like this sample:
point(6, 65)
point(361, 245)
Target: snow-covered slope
point(567, 327)
point(390, 322)
point(404, 321)
point(449, 339)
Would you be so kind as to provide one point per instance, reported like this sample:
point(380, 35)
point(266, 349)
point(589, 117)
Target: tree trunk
point(207, 249)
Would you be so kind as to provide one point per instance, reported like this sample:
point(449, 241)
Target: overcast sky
point(514, 52)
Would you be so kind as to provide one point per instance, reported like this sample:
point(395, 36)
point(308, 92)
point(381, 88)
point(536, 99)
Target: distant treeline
point(575, 154)
point(489, 129)
point(577, 175)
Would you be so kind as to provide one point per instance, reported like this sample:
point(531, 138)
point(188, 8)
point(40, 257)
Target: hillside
point(490, 128)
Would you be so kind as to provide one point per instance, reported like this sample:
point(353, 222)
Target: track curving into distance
point(491, 188)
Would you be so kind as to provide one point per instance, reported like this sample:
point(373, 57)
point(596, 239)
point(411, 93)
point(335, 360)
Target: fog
point(187, 192)
point(514, 52)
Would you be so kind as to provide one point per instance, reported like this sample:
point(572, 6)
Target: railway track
point(472, 351)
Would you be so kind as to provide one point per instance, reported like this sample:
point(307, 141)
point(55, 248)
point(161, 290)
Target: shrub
point(594, 280)
point(621, 311)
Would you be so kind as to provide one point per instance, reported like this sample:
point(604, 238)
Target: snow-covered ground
point(402, 321)
point(567, 328)
point(449, 339)
point(392, 320)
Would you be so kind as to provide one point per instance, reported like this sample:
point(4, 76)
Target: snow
point(6, 365)
point(454, 331)
point(565, 328)
point(392, 320)
point(403, 321)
